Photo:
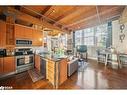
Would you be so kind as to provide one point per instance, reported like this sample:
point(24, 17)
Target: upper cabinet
point(37, 38)
point(10, 40)
point(19, 32)
point(10, 32)
point(28, 33)
point(2, 34)
point(10, 21)
point(22, 32)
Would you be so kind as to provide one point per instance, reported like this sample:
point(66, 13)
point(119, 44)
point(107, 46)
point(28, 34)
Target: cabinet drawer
point(51, 64)
point(51, 71)
point(51, 79)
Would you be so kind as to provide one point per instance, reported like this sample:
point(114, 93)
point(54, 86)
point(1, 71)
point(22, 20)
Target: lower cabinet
point(56, 71)
point(9, 64)
point(1, 65)
point(40, 65)
point(37, 62)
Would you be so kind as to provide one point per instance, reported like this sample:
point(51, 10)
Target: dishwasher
point(43, 67)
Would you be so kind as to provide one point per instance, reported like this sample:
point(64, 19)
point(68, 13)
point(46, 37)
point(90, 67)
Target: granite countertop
point(52, 57)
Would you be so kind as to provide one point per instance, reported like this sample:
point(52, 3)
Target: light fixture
point(40, 39)
point(53, 10)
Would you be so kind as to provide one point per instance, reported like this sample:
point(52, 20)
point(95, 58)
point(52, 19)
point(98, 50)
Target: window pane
point(92, 36)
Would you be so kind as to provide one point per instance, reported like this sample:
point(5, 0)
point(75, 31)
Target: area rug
point(35, 75)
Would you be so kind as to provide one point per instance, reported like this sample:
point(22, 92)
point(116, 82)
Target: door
point(9, 64)
point(1, 65)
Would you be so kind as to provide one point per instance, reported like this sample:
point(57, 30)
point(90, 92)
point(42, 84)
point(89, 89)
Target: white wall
point(121, 47)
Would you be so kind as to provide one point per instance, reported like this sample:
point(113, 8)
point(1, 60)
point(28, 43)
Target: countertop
point(52, 57)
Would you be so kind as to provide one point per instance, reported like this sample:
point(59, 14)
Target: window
point(92, 36)
point(101, 35)
point(88, 36)
point(78, 37)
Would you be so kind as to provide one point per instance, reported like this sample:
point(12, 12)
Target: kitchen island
point(56, 69)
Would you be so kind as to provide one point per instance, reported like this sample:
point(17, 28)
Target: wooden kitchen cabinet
point(56, 71)
point(63, 71)
point(37, 62)
point(37, 38)
point(28, 33)
point(9, 64)
point(10, 39)
point(2, 34)
point(19, 32)
point(1, 66)
point(23, 32)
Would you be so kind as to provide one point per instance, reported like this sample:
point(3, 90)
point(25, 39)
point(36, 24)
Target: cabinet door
point(37, 62)
point(37, 38)
point(63, 70)
point(2, 34)
point(19, 32)
point(1, 65)
point(9, 64)
point(28, 32)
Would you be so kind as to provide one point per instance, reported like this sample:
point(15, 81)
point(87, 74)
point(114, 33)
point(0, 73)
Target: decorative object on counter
point(122, 35)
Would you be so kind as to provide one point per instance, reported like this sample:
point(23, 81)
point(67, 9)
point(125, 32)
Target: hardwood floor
point(95, 76)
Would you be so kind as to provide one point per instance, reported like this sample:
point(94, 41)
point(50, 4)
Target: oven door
point(20, 61)
point(31, 59)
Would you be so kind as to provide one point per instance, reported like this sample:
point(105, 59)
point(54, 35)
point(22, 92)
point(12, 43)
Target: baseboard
point(92, 58)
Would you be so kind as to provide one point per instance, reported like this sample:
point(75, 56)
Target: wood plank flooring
point(95, 76)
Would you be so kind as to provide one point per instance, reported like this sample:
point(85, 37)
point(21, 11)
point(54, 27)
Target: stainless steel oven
point(24, 62)
point(20, 60)
point(24, 59)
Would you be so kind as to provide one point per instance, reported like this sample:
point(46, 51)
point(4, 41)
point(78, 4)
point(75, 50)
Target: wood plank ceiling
point(73, 18)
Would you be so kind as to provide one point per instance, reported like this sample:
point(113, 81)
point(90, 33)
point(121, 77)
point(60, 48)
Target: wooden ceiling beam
point(109, 11)
point(46, 9)
point(75, 9)
point(94, 21)
point(25, 17)
point(82, 12)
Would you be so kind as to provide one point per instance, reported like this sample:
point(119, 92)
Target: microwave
point(23, 42)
